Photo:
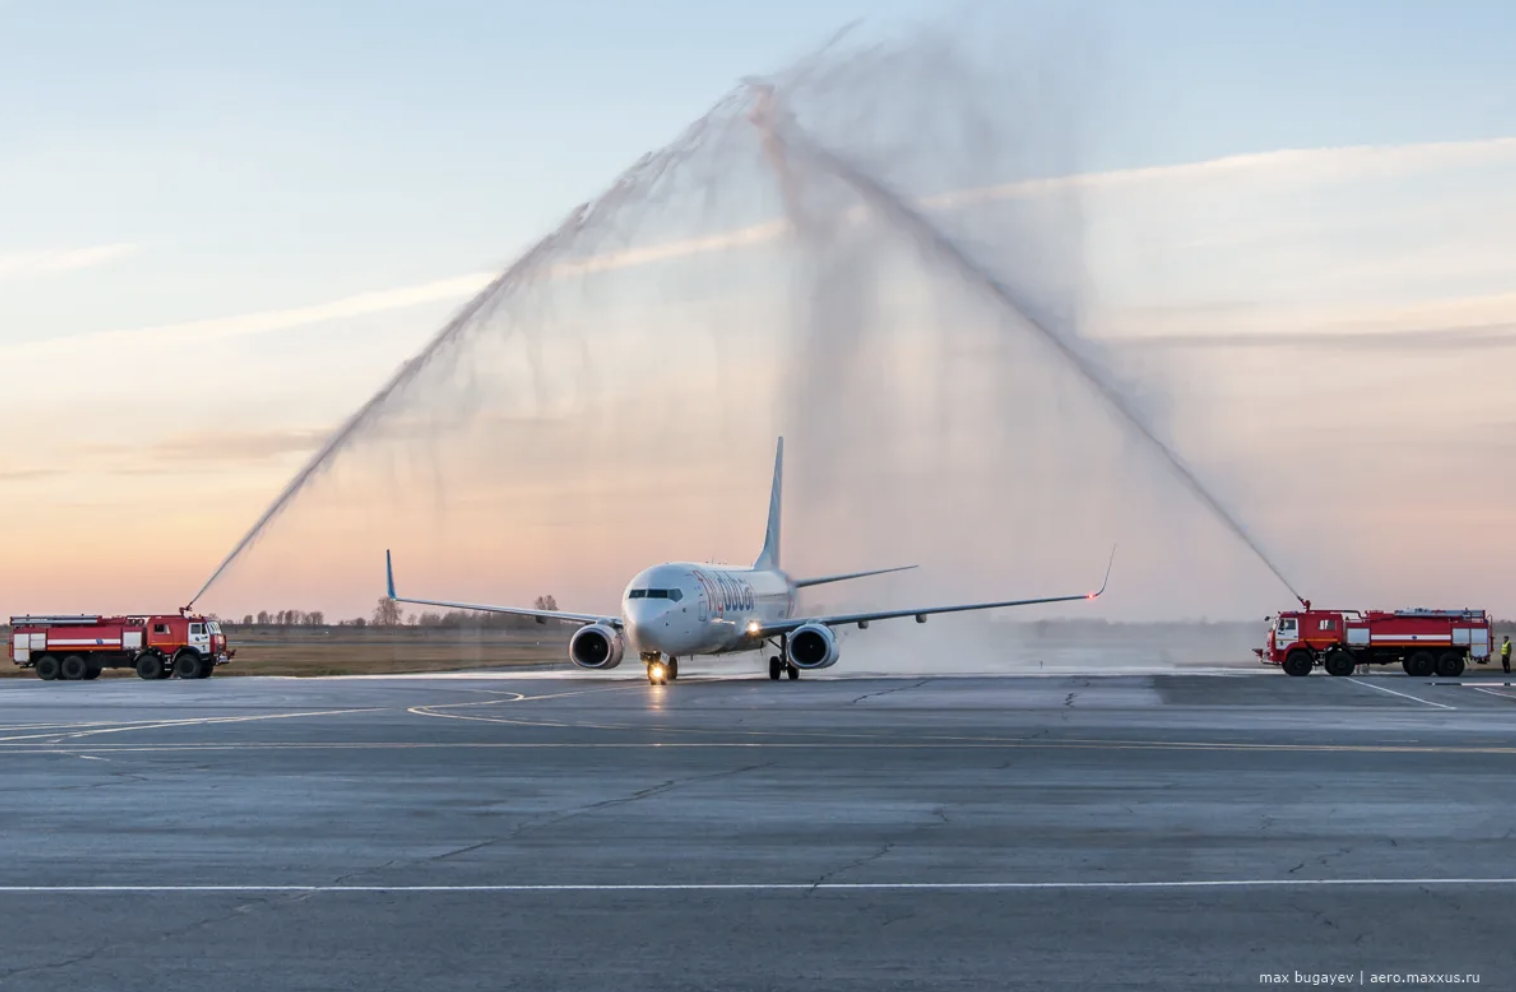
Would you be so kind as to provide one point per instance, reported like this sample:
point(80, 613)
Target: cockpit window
point(675, 594)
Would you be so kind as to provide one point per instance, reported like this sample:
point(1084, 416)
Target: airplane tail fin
point(389, 574)
point(768, 559)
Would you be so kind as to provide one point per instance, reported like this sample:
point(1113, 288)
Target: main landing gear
point(777, 666)
point(662, 672)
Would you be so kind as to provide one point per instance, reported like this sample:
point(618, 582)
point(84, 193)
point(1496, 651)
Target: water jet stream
point(783, 140)
point(367, 414)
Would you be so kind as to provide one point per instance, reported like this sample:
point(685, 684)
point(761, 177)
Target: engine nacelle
point(597, 646)
point(813, 646)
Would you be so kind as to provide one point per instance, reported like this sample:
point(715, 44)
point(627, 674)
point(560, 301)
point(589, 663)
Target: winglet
point(389, 573)
point(1096, 594)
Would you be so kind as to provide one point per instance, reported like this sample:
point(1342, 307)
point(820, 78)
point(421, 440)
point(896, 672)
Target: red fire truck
point(80, 647)
point(1423, 642)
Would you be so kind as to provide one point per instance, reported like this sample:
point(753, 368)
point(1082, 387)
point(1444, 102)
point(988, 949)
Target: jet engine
point(596, 646)
point(813, 646)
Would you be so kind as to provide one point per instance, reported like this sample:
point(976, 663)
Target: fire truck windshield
point(213, 627)
point(1287, 625)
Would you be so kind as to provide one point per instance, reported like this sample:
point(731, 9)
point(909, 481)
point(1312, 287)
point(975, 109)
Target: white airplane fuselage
point(681, 609)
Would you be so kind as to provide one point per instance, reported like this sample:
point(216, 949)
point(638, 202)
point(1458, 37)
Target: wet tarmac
point(567, 831)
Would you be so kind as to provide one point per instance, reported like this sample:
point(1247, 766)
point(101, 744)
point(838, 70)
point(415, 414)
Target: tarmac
point(1199, 830)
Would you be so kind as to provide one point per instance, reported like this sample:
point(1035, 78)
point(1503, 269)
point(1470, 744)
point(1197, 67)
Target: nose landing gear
point(661, 673)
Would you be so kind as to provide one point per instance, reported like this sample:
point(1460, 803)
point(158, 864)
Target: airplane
point(681, 609)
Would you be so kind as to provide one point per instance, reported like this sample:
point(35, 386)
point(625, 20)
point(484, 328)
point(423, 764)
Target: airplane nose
point(647, 625)
point(634, 635)
point(639, 624)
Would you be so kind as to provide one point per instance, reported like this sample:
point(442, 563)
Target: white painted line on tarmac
point(529, 675)
point(1402, 695)
point(1220, 883)
point(132, 726)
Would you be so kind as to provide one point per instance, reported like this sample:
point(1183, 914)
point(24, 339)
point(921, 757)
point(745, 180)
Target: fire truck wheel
point(74, 668)
point(47, 668)
point(149, 667)
point(1421, 665)
point(1298, 663)
point(187, 665)
point(1339, 663)
point(1450, 665)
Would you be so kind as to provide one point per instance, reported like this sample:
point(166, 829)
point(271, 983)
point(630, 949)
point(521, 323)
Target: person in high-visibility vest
point(1505, 654)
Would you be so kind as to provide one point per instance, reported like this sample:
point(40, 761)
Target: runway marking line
point(832, 737)
point(982, 745)
point(126, 727)
point(1220, 883)
point(1402, 695)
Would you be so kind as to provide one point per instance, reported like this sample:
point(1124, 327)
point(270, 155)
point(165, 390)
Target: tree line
point(283, 618)
point(387, 613)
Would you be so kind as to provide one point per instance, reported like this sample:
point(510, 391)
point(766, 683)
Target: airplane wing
point(543, 615)
point(863, 619)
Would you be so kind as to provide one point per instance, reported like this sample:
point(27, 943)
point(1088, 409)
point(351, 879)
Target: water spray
point(537, 262)
point(789, 155)
point(367, 413)
point(784, 142)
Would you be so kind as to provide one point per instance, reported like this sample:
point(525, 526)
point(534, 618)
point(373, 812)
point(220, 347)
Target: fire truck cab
point(1423, 642)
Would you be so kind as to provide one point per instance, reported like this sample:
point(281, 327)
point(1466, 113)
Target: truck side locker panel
point(21, 647)
point(131, 640)
point(1358, 635)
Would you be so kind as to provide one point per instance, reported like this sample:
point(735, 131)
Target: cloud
point(1292, 165)
point(211, 451)
point(238, 446)
point(221, 447)
point(28, 474)
point(263, 321)
point(1465, 321)
point(1439, 338)
point(20, 266)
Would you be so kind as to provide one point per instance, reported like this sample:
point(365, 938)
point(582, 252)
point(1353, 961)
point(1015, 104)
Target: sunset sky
point(224, 226)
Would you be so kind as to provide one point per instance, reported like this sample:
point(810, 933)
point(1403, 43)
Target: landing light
point(754, 626)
